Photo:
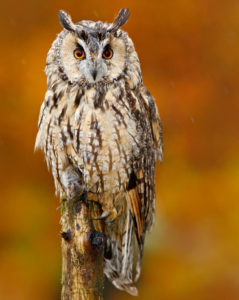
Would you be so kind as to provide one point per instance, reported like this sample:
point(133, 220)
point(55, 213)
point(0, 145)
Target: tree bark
point(83, 244)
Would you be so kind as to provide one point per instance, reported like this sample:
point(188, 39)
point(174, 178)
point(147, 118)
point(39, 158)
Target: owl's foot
point(70, 179)
point(73, 190)
point(108, 216)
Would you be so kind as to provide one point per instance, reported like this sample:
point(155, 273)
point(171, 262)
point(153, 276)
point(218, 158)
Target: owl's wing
point(141, 186)
point(154, 121)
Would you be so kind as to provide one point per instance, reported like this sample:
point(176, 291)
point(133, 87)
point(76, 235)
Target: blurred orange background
point(189, 52)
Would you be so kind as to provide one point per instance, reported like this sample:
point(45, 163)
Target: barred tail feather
point(120, 267)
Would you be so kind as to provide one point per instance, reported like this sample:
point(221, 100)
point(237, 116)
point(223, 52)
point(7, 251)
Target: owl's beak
point(93, 73)
point(95, 70)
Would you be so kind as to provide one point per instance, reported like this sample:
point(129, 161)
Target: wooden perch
point(83, 245)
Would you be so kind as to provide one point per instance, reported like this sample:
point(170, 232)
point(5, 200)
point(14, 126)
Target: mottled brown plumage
point(100, 130)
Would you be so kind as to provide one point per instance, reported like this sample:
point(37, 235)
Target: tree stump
point(83, 245)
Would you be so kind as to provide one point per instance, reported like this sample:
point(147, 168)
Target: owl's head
point(90, 52)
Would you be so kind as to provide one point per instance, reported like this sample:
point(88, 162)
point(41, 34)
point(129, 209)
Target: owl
point(100, 131)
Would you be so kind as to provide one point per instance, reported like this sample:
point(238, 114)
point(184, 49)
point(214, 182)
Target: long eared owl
point(101, 133)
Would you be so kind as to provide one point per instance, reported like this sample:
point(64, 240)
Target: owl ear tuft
point(66, 21)
point(121, 19)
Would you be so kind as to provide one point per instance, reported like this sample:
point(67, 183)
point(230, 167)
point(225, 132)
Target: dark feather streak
point(78, 97)
point(62, 114)
point(69, 129)
point(132, 181)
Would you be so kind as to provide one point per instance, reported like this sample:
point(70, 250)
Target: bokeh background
point(189, 52)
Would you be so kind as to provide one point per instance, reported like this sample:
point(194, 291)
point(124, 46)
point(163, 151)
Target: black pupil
point(79, 53)
point(107, 53)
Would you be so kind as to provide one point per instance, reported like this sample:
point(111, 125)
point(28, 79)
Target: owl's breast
point(104, 144)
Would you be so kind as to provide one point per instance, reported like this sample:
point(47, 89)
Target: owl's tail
point(120, 255)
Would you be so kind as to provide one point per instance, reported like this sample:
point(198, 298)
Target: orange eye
point(79, 53)
point(108, 53)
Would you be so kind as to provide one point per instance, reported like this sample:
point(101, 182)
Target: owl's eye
point(108, 53)
point(79, 53)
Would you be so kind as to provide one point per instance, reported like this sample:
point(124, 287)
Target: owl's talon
point(104, 215)
point(108, 216)
point(110, 220)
